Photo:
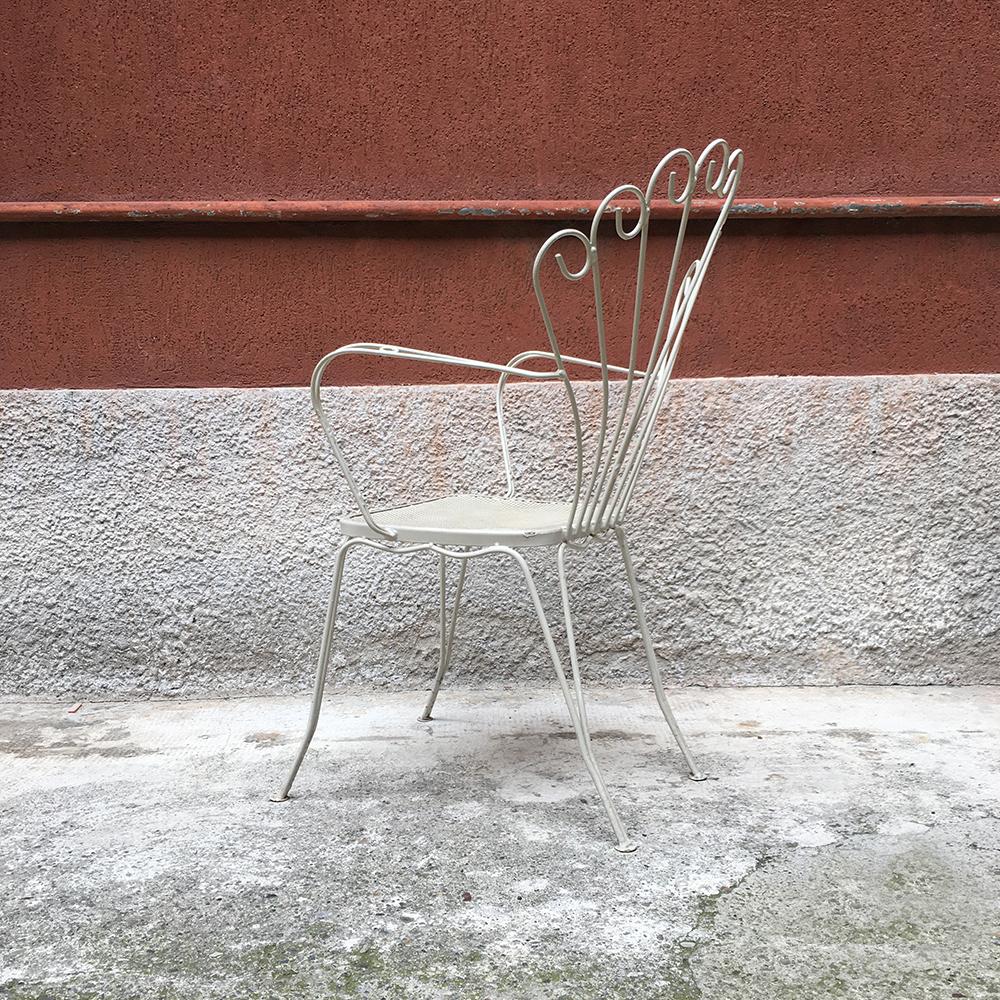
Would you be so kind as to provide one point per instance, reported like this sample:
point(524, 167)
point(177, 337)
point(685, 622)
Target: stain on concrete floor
point(851, 851)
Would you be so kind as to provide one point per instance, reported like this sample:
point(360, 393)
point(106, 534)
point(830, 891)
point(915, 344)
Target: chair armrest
point(570, 360)
point(404, 354)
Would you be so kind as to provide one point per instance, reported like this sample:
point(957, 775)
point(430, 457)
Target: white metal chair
point(609, 456)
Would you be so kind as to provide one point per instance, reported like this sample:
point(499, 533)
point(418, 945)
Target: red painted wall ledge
point(861, 207)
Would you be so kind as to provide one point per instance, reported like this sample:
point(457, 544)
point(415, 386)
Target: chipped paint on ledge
point(496, 211)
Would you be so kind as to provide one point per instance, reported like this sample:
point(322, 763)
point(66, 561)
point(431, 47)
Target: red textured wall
point(180, 304)
point(551, 98)
point(309, 99)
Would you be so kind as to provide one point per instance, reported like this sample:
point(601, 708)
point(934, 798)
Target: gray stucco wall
point(792, 530)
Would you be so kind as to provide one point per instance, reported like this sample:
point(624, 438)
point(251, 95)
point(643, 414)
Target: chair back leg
point(695, 773)
point(574, 698)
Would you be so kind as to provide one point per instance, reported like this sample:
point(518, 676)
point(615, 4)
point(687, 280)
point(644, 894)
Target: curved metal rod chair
point(609, 457)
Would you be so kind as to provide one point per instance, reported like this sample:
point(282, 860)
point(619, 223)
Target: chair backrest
point(609, 457)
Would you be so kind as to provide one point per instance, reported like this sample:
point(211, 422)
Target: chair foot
point(698, 776)
point(278, 797)
point(426, 717)
point(627, 847)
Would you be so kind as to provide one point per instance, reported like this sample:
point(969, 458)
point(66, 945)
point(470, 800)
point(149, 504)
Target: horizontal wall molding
point(839, 207)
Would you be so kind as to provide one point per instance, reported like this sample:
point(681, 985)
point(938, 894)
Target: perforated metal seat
point(467, 519)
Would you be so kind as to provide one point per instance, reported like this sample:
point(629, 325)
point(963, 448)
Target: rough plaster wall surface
point(789, 531)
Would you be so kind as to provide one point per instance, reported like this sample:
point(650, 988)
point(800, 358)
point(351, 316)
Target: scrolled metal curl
point(567, 272)
point(721, 172)
point(590, 244)
point(672, 196)
point(616, 193)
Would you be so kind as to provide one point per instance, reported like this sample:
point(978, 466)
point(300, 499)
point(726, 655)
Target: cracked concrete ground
point(849, 847)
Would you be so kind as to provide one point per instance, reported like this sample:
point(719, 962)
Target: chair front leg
point(324, 659)
point(654, 668)
point(447, 633)
point(577, 711)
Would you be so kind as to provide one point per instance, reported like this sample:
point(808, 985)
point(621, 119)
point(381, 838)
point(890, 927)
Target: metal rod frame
point(608, 458)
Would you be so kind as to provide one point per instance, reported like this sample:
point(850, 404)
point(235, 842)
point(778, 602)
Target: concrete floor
point(850, 847)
